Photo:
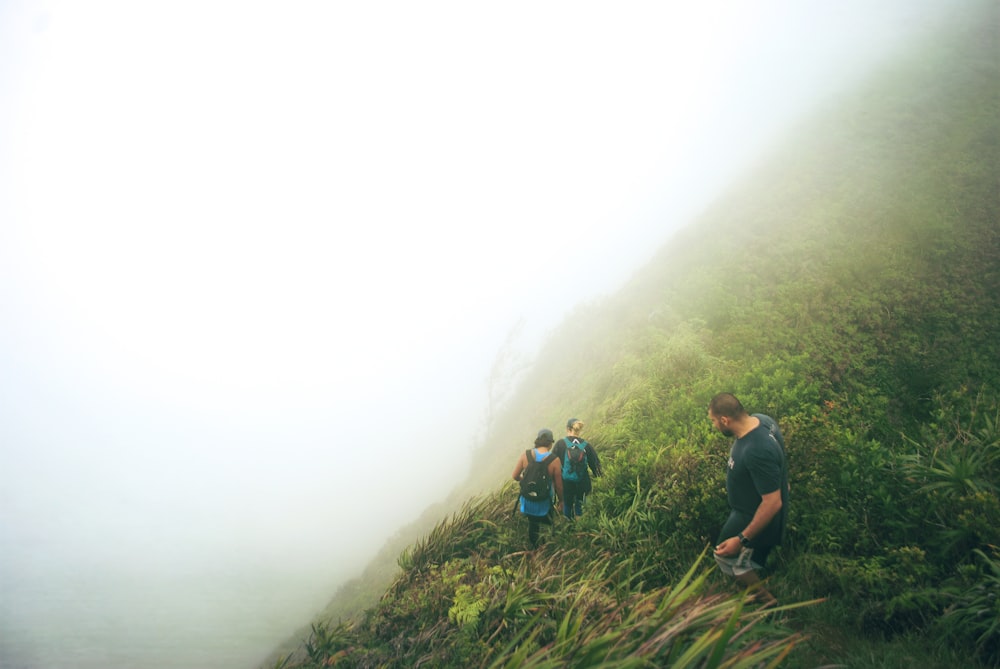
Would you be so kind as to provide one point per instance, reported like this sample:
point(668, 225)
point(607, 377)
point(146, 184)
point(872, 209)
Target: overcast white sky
point(254, 253)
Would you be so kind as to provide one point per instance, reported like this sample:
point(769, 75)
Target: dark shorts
point(750, 558)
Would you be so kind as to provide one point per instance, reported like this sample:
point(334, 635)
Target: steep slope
point(868, 244)
point(850, 288)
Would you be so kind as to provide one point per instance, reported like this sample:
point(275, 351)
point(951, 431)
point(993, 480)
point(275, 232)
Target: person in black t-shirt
point(757, 490)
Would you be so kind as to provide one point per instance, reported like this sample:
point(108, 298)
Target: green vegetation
point(849, 288)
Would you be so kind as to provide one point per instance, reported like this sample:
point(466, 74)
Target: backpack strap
point(557, 447)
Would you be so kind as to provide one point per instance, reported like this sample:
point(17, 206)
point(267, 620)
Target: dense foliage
point(850, 289)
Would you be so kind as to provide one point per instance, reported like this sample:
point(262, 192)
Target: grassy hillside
point(849, 287)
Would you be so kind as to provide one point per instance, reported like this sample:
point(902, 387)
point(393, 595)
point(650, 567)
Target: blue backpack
point(575, 460)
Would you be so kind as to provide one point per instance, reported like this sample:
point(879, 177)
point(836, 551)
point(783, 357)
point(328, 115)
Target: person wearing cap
point(576, 478)
point(539, 512)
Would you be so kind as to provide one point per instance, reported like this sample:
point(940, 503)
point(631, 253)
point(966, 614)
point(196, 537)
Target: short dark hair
point(726, 405)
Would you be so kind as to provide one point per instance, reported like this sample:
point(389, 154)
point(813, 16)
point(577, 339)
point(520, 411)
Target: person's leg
point(570, 492)
point(758, 593)
point(545, 520)
point(744, 570)
point(534, 528)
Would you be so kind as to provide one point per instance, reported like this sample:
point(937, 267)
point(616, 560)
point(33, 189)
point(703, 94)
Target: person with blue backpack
point(538, 473)
point(577, 460)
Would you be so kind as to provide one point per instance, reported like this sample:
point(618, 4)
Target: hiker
point(538, 476)
point(577, 459)
point(757, 488)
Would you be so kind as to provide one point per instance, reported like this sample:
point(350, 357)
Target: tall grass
point(469, 595)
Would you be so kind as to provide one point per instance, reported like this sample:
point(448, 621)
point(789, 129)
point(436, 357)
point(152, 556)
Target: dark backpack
point(535, 482)
point(575, 460)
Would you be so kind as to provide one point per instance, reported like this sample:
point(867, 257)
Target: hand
point(729, 548)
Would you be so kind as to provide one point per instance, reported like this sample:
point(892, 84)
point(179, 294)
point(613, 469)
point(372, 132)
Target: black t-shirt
point(756, 467)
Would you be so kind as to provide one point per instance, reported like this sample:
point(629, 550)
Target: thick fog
point(257, 259)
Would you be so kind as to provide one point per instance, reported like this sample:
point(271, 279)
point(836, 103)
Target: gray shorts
point(740, 564)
